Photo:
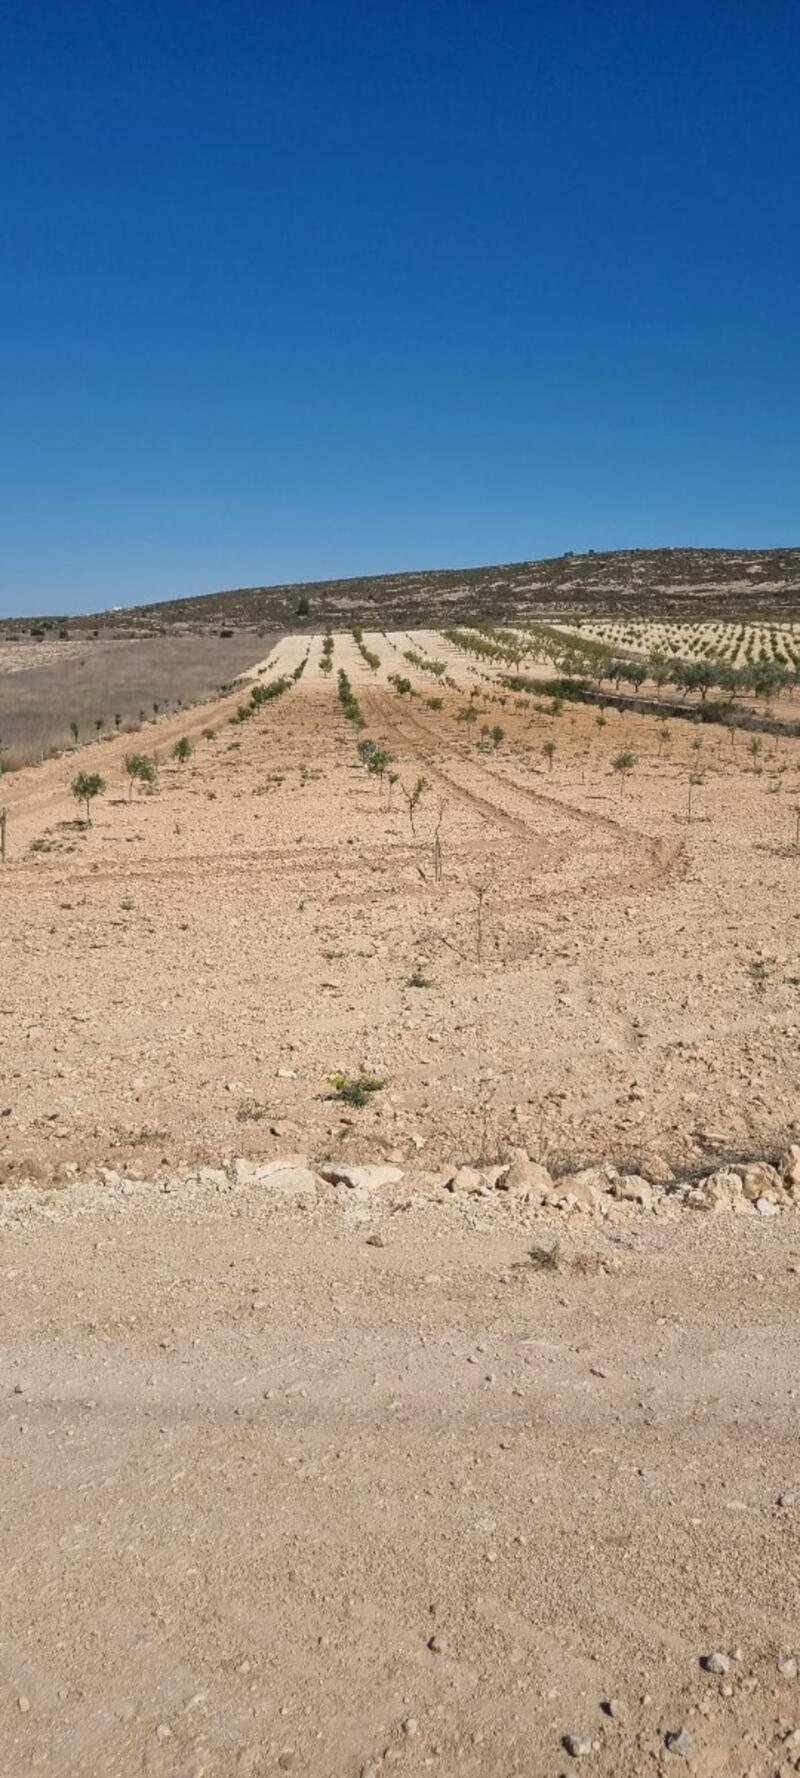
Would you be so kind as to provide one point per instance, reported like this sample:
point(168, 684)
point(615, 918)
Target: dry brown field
point(45, 686)
point(415, 1471)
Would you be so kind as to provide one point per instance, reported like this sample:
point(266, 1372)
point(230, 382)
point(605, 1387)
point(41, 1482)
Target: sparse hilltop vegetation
point(672, 583)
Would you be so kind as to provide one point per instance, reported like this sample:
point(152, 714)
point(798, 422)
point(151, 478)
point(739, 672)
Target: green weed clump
point(355, 1090)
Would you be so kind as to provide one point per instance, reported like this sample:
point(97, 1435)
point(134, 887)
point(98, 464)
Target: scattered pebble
point(615, 1707)
point(163, 1732)
point(716, 1663)
point(435, 1646)
point(679, 1742)
point(410, 1725)
point(24, 1704)
point(787, 1666)
point(578, 1745)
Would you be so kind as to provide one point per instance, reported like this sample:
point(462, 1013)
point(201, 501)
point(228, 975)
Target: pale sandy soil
point(201, 960)
point(253, 1463)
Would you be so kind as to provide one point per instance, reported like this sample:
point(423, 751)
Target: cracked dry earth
point(373, 1483)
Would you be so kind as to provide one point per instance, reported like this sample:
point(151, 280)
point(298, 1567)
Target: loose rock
point(716, 1663)
point(759, 1180)
point(467, 1179)
point(679, 1742)
point(577, 1745)
point(633, 1189)
point(721, 1190)
point(581, 1191)
point(289, 1180)
point(364, 1179)
point(525, 1176)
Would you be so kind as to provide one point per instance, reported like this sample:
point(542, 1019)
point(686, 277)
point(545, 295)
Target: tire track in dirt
point(212, 866)
point(665, 862)
point(487, 810)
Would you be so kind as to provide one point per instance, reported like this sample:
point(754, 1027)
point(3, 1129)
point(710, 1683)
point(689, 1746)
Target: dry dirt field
point(438, 1468)
point(47, 685)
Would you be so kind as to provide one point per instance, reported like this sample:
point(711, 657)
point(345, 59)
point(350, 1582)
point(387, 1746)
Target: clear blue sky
point(309, 289)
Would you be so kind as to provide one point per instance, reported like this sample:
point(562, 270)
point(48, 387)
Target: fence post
point(2, 836)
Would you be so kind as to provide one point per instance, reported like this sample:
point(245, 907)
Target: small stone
point(790, 1499)
point(376, 1240)
point(360, 1179)
point(759, 1180)
point(657, 1170)
point(577, 1745)
point(289, 1181)
point(24, 1704)
point(409, 1726)
point(466, 1179)
point(163, 1732)
point(370, 1771)
point(17, 1388)
point(716, 1663)
point(525, 1176)
point(582, 1191)
point(766, 1207)
point(633, 1189)
point(616, 1707)
point(680, 1741)
point(720, 1190)
point(286, 1759)
point(787, 1667)
point(435, 1646)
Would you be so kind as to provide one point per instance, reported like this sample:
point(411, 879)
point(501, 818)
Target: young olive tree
point(141, 769)
point(623, 764)
point(85, 788)
point(182, 750)
point(414, 798)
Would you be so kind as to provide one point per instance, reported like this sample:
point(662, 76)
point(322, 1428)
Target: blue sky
point(290, 291)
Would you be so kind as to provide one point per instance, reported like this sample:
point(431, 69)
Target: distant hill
point(682, 583)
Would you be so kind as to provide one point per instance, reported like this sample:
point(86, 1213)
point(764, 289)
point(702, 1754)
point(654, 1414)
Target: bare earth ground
point(255, 1460)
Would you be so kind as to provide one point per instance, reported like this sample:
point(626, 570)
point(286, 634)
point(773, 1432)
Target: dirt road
point(254, 1464)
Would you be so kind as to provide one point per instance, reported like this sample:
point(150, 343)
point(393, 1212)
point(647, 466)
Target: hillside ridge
point(674, 581)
